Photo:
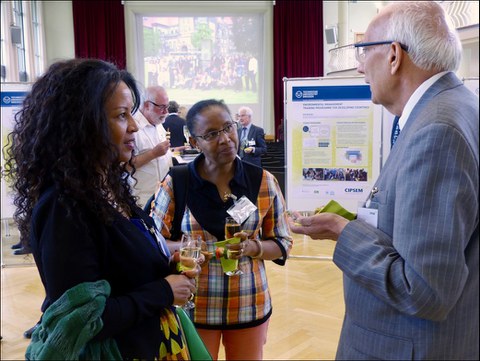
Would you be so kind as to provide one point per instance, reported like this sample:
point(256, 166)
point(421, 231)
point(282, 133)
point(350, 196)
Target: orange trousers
point(241, 344)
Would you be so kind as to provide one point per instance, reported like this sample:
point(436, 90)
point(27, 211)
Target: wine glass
point(232, 227)
point(189, 255)
point(186, 134)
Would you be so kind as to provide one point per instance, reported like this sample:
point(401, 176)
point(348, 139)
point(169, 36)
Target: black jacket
point(174, 124)
point(68, 252)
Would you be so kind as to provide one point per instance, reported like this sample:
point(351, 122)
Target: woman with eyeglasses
point(235, 309)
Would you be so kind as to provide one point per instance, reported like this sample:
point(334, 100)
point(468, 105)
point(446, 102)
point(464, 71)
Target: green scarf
point(69, 325)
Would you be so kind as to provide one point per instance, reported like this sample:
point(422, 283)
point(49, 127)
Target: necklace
point(227, 195)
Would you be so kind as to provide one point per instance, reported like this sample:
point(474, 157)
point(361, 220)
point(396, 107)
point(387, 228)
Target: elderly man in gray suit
point(411, 283)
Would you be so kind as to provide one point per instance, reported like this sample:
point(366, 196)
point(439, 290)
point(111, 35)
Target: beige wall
point(58, 22)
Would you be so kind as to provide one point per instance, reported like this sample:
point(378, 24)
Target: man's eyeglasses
point(361, 48)
point(162, 107)
point(211, 136)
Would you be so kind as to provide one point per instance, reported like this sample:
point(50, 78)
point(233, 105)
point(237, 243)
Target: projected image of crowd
point(237, 72)
point(203, 53)
point(335, 174)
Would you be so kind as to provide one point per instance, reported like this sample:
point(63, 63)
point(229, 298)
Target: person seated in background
point(67, 156)
point(182, 111)
point(174, 124)
point(252, 138)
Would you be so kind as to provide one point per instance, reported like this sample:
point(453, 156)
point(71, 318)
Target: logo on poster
point(299, 94)
point(353, 190)
point(12, 98)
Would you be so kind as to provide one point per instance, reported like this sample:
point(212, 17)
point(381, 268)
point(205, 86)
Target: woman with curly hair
point(100, 259)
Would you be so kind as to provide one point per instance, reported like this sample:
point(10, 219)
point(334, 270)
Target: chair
point(281, 180)
point(269, 138)
point(275, 146)
point(275, 153)
point(273, 163)
point(268, 157)
point(280, 169)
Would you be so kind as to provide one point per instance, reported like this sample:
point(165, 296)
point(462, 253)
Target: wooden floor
point(307, 303)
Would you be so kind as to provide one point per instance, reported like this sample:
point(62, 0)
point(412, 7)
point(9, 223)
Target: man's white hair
point(247, 110)
point(150, 93)
point(427, 31)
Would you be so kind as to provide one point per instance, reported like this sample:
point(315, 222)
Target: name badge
point(242, 209)
point(251, 143)
point(368, 215)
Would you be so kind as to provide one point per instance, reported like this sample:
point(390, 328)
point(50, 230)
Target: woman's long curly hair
point(61, 138)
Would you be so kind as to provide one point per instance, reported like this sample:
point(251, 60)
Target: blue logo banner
point(12, 99)
point(350, 92)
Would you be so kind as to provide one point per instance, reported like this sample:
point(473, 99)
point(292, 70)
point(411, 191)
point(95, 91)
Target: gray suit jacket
point(411, 287)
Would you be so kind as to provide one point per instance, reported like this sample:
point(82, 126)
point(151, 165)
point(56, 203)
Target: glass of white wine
point(232, 227)
point(189, 255)
point(186, 134)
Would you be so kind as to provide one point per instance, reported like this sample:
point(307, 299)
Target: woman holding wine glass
point(108, 278)
point(235, 309)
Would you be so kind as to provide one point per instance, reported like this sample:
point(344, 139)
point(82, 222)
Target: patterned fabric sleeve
point(163, 208)
point(273, 208)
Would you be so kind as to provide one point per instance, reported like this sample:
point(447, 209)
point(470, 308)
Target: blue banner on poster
point(325, 93)
point(12, 99)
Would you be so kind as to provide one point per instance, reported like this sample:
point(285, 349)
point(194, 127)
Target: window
point(18, 41)
point(23, 54)
point(37, 30)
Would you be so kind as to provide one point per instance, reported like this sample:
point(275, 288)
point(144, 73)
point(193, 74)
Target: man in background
point(411, 258)
point(153, 157)
point(182, 111)
point(174, 124)
point(251, 138)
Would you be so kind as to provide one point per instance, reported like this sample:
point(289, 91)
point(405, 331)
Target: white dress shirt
point(152, 173)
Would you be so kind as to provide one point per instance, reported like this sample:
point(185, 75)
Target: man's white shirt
point(152, 173)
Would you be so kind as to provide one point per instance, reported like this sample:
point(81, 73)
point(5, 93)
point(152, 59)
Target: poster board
point(333, 141)
point(12, 96)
